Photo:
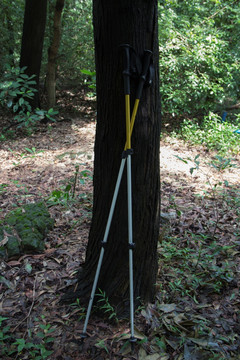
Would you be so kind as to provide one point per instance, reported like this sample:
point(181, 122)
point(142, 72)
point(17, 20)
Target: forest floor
point(196, 313)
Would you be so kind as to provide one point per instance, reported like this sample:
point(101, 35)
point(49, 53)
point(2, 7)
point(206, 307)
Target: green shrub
point(16, 93)
point(17, 89)
point(213, 133)
point(199, 60)
point(35, 347)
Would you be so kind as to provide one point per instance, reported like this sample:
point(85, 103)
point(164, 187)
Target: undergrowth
point(195, 266)
point(17, 91)
point(35, 345)
point(212, 133)
point(198, 265)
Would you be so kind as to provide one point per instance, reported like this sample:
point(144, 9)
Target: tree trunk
point(32, 40)
point(52, 54)
point(115, 23)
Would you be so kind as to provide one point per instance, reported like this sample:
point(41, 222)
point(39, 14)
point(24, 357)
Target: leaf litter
point(199, 247)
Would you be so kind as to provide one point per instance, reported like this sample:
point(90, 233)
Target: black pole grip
point(146, 63)
point(126, 71)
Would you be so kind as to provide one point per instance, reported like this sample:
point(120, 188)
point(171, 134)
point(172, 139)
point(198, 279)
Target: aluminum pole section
point(116, 191)
point(131, 246)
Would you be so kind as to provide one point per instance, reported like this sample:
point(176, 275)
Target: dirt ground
point(31, 169)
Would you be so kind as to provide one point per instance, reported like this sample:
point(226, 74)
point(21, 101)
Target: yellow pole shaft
point(132, 121)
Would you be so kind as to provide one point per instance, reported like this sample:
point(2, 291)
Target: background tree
point(52, 54)
point(32, 40)
point(116, 23)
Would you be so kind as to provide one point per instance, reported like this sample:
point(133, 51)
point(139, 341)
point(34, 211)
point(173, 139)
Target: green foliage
point(35, 347)
point(196, 269)
point(212, 133)
point(60, 196)
point(101, 345)
point(76, 51)
point(106, 307)
point(199, 67)
point(198, 42)
point(49, 114)
point(90, 80)
point(4, 336)
point(3, 188)
point(16, 92)
point(28, 153)
point(220, 163)
point(11, 19)
point(66, 194)
point(81, 311)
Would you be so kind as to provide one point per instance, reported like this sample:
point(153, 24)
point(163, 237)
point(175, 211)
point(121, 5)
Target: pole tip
point(132, 340)
point(83, 336)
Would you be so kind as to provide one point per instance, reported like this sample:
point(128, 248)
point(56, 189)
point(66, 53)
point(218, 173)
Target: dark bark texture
point(119, 22)
point(32, 40)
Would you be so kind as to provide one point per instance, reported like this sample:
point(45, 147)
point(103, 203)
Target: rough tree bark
point(120, 22)
point(32, 40)
point(52, 54)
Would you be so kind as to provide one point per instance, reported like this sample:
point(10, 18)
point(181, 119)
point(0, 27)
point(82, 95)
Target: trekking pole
point(118, 182)
point(129, 152)
point(103, 243)
point(116, 191)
